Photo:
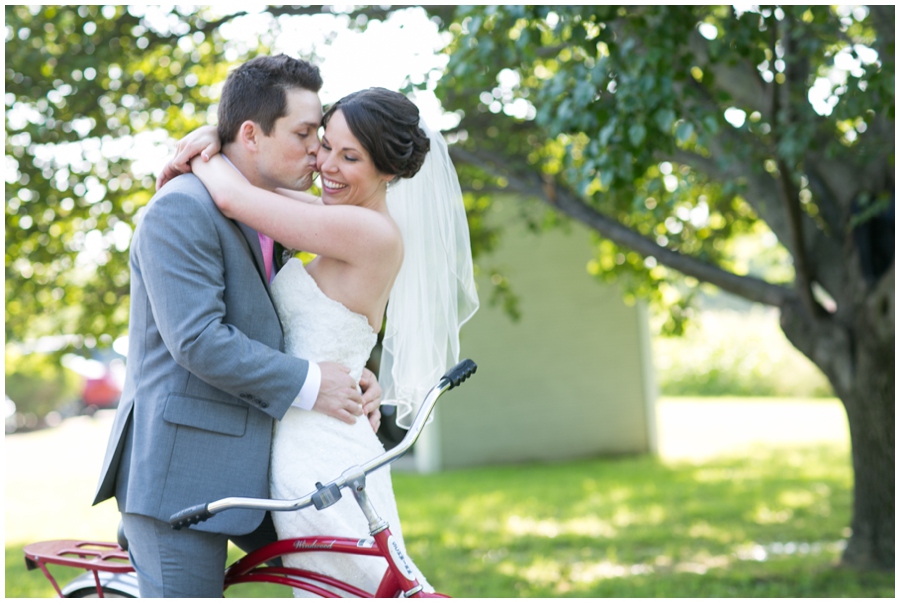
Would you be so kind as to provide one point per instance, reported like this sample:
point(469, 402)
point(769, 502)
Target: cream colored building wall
point(572, 378)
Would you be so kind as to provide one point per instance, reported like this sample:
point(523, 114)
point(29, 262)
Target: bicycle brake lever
point(325, 496)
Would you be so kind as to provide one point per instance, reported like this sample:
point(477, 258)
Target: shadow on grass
point(772, 523)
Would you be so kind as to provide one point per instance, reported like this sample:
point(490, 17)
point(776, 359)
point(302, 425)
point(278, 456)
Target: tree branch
point(883, 22)
point(207, 27)
point(761, 189)
point(740, 80)
point(564, 201)
point(789, 193)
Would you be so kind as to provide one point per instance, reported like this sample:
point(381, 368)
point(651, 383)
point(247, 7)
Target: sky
point(408, 44)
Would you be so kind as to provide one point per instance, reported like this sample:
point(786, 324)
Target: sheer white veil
point(434, 293)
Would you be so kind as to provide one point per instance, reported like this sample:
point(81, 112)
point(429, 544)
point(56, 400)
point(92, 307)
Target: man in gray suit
point(205, 375)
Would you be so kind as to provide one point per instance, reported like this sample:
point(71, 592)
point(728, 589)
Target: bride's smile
point(331, 185)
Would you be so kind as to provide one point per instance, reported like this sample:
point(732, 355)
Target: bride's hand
point(375, 419)
point(204, 141)
point(371, 398)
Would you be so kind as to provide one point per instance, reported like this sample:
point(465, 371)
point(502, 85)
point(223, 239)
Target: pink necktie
point(267, 245)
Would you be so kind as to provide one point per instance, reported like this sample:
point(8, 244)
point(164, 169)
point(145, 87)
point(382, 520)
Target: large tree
point(667, 130)
point(670, 129)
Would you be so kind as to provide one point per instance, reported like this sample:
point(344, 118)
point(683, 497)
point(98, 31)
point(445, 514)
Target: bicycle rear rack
point(90, 555)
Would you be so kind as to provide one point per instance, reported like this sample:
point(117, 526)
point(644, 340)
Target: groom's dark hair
point(255, 91)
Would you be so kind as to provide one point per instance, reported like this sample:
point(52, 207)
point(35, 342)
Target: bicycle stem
point(358, 486)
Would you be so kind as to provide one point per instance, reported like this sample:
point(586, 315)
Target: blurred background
point(683, 227)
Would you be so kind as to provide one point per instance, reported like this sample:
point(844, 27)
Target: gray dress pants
point(183, 563)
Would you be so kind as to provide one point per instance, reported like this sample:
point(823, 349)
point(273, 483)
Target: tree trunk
point(858, 359)
point(870, 413)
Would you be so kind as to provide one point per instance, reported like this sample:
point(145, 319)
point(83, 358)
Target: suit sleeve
point(179, 253)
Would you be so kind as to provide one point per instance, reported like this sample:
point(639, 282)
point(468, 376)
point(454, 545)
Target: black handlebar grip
point(190, 516)
point(460, 372)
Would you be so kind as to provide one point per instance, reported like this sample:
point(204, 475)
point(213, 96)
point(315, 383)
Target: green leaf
point(664, 119)
point(637, 133)
point(684, 131)
point(607, 131)
point(606, 178)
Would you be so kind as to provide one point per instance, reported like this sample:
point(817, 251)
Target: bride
point(391, 242)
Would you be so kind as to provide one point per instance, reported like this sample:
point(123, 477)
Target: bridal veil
point(434, 293)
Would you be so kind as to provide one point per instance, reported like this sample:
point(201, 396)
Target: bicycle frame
point(108, 568)
point(397, 579)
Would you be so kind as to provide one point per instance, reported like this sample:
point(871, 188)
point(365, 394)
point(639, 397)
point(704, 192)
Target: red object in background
point(101, 393)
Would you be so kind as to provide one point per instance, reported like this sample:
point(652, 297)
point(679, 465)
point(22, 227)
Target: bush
point(38, 384)
point(732, 353)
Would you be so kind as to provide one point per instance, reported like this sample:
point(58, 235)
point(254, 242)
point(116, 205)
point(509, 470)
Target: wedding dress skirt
point(310, 447)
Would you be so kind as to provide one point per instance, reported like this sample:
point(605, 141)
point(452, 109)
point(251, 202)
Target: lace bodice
point(317, 327)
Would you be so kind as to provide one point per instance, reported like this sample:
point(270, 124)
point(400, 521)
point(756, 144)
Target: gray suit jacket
point(205, 377)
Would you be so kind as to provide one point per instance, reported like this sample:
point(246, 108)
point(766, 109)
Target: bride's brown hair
point(386, 123)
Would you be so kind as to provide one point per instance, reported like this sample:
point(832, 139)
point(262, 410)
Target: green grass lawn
point(770, 522)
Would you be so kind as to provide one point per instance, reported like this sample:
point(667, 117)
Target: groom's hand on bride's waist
point(338, 396)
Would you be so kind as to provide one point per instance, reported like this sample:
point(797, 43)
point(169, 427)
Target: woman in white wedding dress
point(385, 235)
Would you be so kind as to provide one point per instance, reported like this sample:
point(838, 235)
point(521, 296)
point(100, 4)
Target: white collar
point(225, 157)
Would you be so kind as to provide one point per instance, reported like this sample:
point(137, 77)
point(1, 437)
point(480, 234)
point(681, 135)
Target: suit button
point(263, 404)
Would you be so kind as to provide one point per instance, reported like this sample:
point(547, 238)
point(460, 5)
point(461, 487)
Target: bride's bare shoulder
point(388, 234)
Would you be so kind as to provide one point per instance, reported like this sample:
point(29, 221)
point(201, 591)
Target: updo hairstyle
point(386, 123)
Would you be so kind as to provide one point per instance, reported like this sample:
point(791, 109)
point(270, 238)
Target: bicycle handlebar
point(326, 495)
point(190, 516)
point(459, 373)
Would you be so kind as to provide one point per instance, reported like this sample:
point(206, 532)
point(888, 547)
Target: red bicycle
point(109, 573)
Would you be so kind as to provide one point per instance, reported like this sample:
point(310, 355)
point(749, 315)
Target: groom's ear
point(248, 135)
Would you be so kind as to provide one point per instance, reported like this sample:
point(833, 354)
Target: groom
point(205, 375)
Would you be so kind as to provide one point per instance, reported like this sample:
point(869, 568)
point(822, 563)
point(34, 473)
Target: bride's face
point(347, 173)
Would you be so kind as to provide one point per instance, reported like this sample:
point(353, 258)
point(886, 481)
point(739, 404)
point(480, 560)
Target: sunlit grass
point(766, 522)
point(732, 353)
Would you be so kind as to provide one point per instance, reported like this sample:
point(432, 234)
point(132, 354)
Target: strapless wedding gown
point(309, 446)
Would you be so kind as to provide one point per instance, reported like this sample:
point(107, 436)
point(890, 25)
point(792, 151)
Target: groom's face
point(287, 156)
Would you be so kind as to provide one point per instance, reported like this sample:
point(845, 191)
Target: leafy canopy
point(85, 88)
point(689, 126)
point(673, 122)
